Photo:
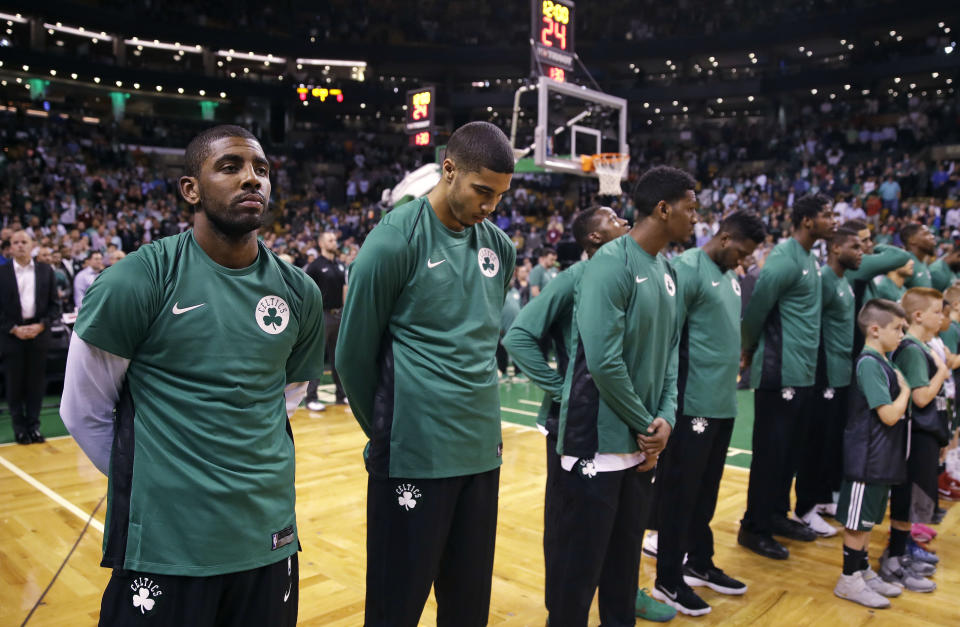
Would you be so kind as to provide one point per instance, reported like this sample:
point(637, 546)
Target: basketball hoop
point(610, 167)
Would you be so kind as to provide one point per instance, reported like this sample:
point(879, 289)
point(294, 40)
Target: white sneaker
point(316, 406)
point(878, 585)
point(830, 509)
point(853, 588)
point(650, 544)
point(818, 524)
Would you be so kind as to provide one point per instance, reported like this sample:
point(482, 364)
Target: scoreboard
point(419, 117)
point(552, 28)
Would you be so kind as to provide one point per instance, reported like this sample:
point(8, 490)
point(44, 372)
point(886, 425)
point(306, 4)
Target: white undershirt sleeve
point(91, 389)
point(294, 394)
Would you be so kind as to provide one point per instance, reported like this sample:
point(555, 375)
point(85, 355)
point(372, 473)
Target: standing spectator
point(544, 271)
point(890, 194)
point(85, 278)
point(329, 273)
point(28, 308)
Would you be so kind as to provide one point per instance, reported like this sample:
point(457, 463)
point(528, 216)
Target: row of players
point(181, 351)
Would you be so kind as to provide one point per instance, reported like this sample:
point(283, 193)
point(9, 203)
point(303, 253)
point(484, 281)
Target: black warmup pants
point(549, 499)
point(331, 329)
point(423, 532)
point(262, 596)
point(915, 500)
point(25, 369)
point(688, 480)
point(777, 430)
point(820, 466)
point(594, 541)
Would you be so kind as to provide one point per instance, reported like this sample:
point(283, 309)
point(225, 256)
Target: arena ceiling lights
point(80, 31)
point(19, 19)
point(160, 45)
point(333, 63)
point(249, 56)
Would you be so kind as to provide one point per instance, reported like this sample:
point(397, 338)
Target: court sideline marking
point(53, 496)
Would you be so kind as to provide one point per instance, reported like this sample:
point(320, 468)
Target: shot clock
point(552, 30)
point(420, 116)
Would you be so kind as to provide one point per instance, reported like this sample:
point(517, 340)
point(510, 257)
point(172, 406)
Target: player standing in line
point(619, 404)
point(913, 501)
point(417, 359)
point(546, 322)
point(823, 431)
point(875, 451)
point(175, 388)
point(890, 286)
point(544, 272)
point(946, 270)
point(690, 469)
point(921, 244)
point(781, 332)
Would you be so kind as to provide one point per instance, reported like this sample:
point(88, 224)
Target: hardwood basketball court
point(48, 491)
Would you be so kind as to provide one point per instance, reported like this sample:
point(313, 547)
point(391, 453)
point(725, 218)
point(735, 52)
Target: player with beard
point(921, 244)
point(187, 359)
point(820, 468)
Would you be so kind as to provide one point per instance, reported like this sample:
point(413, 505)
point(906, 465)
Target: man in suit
point(28, 308)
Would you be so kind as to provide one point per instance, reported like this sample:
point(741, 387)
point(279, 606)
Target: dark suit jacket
point(48, 309)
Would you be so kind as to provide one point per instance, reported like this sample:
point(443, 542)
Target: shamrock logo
point(828, 394)
point(488, 261)
point(588, 468)
point(788, 394)
point(143, 601)
point(699, 424)
point(407, 496)
point(272, 318)
point(487, 264)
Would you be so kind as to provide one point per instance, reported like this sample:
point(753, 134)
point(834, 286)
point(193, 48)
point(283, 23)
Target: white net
point(610, 168)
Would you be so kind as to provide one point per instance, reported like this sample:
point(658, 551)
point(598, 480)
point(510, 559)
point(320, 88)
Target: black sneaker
point(713, 578)
point(938, 514)
point(683, 599)
point(793, 529)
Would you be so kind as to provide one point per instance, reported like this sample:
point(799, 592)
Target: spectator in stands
point(85, 278)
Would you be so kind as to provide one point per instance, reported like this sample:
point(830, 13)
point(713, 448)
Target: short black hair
point(479, 145)
point(661, 183)
point(743, 225)
point(909, 230)
point(842, 234)
point(855, 225)
point(808, 206)
point(198, 150)
point(584, 224)
point(879, 311)
point(545, 250)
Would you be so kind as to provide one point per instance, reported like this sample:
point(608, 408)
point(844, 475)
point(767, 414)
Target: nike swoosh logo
point(806, 272)
point(286, 595)
point(430, 264)
point(639, 280)
point(177, 311)
point(714, 283)
point(672, 595)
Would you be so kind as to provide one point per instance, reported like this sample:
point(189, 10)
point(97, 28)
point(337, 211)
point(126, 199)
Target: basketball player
point(416, 356)
point(619, 405)
point(781, 325)
point(921, 244)
point(175, 389)
point(690, 469)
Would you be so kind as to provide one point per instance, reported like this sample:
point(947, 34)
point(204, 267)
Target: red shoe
point(946, 488)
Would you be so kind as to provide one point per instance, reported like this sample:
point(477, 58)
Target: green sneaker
point(651, 610)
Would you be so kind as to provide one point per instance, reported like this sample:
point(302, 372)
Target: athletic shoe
point(878, 585)
point(947, 489)
point(793, 529)
point(650, 544)
point(854, 588)
point(919, 534)
point(925, 529)
point(818, 524)
point(892, 570)
point(938, 514)
point(648, 609)
point(316, 406)
point(713, 578)
point(916, 567)
point(826, 509)
point(761, 544)
point(683, 599)
point(919, 554)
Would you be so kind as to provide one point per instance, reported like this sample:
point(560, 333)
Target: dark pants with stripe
point(262, 596)
point(688, 480)
point(820, 465)
point(593, 541)
point(777, 432)
point(423, 532)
